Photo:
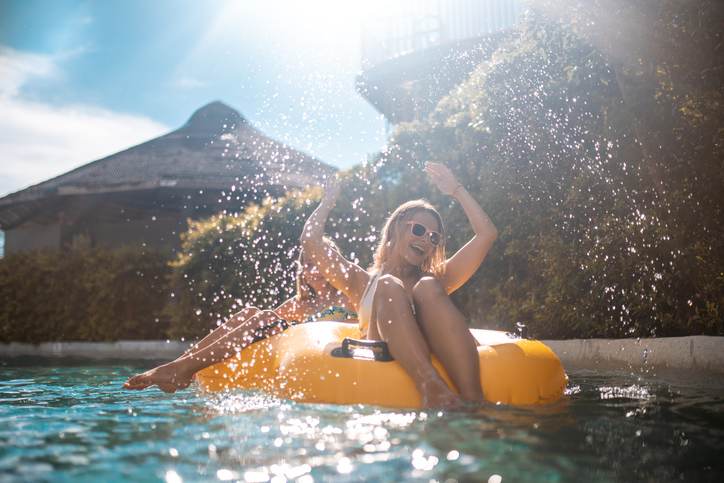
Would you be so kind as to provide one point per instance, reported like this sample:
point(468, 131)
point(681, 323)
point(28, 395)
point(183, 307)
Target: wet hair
point(304, 290)
point(435, 264)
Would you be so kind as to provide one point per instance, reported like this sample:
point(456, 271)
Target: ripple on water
point(77, 424)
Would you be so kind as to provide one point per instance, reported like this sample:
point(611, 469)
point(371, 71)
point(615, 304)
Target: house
point(144, 195)
point(413, 59)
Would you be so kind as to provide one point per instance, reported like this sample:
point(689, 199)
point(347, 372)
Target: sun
point(310, 21)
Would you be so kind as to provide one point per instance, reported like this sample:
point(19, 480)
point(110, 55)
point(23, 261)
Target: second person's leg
point(234, 321)
point(177, 374)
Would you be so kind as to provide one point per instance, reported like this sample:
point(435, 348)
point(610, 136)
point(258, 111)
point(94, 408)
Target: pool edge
point(694, 353)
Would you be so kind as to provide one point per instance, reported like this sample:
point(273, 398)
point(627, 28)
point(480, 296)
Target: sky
point(82, 79)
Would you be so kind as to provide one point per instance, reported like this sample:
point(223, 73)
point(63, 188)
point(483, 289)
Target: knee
point(390, 283)
point(267, 315)
point(426, 288)
point(240, 317)
point(390, 289)
point(263, 318)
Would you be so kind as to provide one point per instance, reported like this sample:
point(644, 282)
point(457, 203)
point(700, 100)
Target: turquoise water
point(74, 423)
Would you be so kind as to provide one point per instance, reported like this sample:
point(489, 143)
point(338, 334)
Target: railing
point(421, 24)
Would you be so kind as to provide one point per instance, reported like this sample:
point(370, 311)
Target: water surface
point(74, 423)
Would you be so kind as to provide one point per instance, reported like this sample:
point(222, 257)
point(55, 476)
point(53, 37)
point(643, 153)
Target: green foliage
point(228, 262)
point(596, 152)
point(82, 295)
point(590, 245)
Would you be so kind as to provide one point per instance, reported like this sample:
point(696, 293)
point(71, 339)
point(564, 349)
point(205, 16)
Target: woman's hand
point(314, 227)
point(331, 192)
point(461, 266)
point(443, 179)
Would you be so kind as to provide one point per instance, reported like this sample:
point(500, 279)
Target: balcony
point(414, 57)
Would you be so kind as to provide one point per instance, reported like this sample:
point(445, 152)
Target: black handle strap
point(376, 350)
point(521, 331)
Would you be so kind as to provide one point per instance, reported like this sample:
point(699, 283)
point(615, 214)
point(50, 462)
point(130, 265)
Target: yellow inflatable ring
point(308, 363)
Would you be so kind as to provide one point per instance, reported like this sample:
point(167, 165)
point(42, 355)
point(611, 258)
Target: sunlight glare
point(316, 22)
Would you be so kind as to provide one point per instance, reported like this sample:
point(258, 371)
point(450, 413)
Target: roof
point(215, 149)
point(409, 86)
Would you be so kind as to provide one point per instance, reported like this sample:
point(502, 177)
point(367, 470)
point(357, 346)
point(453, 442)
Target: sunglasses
point(419, 230)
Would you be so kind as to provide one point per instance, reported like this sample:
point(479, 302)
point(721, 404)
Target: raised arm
point(347, 277)
point(463, 264)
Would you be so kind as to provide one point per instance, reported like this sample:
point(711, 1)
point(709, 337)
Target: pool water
point(73, 422)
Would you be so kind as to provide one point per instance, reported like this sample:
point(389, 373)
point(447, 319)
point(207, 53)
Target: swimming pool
point(70, 421)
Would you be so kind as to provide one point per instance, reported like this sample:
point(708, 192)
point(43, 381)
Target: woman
point(404, 298)
point(315, 299)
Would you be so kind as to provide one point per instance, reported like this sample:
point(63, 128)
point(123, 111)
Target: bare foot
point(167, 377)
point(436, 394)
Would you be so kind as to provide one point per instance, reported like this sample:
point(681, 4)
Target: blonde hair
point(435, 264)
point(304, 290)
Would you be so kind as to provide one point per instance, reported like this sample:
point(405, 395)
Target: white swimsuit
point(364, 312)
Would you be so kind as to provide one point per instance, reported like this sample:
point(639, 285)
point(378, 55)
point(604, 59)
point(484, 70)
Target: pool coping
point(699, 353)
point(122, 349)
point(693, 353)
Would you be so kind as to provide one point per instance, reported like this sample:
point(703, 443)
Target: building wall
point(159, 232)
point(32, 236)
point(421, 24)
point(152, 220)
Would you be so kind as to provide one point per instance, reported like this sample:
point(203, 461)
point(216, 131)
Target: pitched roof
point(215, 149)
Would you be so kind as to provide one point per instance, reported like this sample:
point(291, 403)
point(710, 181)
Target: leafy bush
point(82, 295)
point(603, 177)
point(601, 171)
point(228, 262)
point(590, 244)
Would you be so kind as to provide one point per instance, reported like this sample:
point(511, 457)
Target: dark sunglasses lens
point(418, 229)
point(434, 238)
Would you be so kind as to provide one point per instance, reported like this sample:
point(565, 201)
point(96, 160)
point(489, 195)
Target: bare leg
point(177, 374)
point(235, 321)
point(448, 335)
point(397, 326)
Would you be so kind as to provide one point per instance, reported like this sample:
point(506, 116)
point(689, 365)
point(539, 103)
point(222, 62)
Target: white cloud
point(17, 67)
point(39, 141)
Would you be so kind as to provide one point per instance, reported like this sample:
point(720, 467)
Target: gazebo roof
point(215, 149)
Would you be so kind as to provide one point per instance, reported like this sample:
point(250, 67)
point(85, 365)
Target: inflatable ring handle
point(378, 348)
point(521, 331)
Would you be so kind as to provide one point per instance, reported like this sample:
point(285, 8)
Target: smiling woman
point(404, 298)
